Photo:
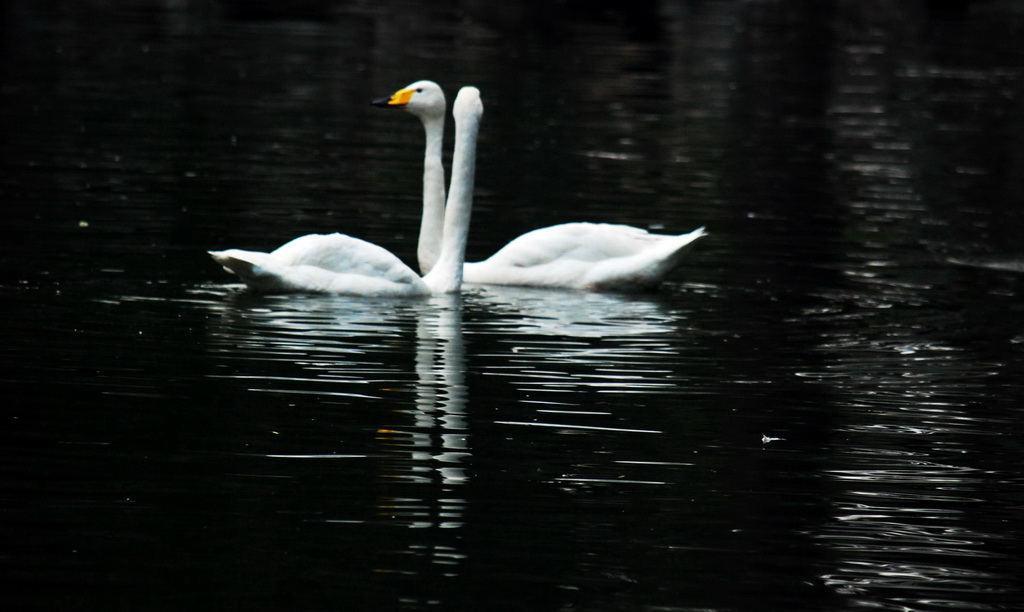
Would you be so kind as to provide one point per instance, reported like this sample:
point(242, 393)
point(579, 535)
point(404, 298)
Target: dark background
point(169, 441)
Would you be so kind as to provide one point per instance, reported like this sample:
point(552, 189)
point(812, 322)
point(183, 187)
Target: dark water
point(820, 411)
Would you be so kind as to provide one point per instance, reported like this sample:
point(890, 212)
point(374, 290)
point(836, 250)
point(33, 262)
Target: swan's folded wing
point(346, 255)
point(585, 256)
point(327, 263)
point(585, 242)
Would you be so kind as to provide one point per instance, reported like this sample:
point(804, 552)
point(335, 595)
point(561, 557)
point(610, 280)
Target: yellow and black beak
point(397, 100)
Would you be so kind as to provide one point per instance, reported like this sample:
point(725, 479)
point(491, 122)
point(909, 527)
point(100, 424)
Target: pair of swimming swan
point(587, 256)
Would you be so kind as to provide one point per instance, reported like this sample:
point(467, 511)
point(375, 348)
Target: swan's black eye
point(420, 90)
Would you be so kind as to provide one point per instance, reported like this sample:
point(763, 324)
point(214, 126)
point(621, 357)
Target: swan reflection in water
point(540, 356)
point(575, 341)
point(358, 360)
point(441, 387)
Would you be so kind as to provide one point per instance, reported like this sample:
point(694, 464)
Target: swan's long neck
point(446, 277)
point(432, 225)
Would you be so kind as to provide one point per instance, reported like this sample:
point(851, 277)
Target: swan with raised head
point(588, 256)
point(425, 100)
point(335, 263)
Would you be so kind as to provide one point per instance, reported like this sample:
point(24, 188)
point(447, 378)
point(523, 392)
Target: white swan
point(589, 256)
point(425, 100)
point(340, 264)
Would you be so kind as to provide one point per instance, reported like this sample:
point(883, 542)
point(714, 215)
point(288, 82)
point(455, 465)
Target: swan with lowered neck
point(339, 264)
point(588, 256)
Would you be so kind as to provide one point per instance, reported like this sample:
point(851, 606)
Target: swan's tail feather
point(646, 270)
point(675, 251)
point(235, 262)
point(248, 266)
point(231, 264)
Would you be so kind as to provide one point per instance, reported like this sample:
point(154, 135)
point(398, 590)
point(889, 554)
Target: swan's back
point(324, 263)
point(598, 256)
point(586, 242)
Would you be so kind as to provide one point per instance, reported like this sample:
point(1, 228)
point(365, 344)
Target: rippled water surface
point(820, 410)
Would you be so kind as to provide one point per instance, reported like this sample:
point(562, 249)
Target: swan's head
point(468, 103)
point(422, 98)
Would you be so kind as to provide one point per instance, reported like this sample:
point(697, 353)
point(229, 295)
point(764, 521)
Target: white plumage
point(588, 256)
point(336, 263)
